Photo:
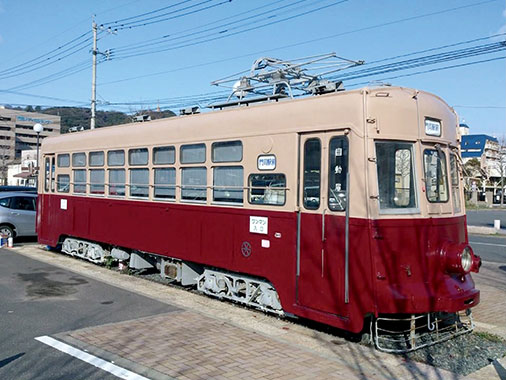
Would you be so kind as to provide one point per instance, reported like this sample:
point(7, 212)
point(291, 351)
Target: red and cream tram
point(340, 208)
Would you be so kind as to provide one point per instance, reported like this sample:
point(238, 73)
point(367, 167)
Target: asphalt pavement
point(486, 217)
point(490, 248)
point(37, 299)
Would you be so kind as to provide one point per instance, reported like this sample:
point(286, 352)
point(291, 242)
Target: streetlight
point(38, 128)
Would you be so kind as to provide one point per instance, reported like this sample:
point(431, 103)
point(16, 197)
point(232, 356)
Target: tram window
point(97, 179)
point(267, 189)
point(454, 172)
point(139, 183)
point(395, 169)
point(228, 184)
point(165, 181)
point(117, 182)
point(338, 171)
point(63, 183)
point(96, 158)
point(138, 156)
point(194, 182)
point(53, 167)
point(80, 181)
point(193, 154)
point(227, 151)
point(312, 172)
point(164, 155)
point(63, 160)
point(436, 181)
point(46, 174)
point(116, 158)
point(78, 160)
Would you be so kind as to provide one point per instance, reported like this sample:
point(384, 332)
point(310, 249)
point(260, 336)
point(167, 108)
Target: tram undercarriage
point(388, 334)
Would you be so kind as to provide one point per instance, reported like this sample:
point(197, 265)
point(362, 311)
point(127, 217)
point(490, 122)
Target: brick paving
point(208, 339)
point(188, 345)
point(490, 314)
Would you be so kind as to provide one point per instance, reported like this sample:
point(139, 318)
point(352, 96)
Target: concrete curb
point(482, 230)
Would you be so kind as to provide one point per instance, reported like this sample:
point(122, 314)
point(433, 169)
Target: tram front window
point(396, 181)
point(436, 178)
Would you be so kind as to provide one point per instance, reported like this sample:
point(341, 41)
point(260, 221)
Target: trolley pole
point(94, 77)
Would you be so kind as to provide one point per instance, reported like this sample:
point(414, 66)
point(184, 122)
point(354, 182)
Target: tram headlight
point(466, 259)
point(460, 259)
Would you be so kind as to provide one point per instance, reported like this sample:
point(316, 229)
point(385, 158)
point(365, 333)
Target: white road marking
point(495, 245)
point(93, 360)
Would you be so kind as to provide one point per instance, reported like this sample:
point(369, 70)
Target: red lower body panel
point(394, 266)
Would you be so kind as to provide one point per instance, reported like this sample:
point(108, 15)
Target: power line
point(145, 14)
point(40, 60)
point(165, 38)
point(136, 24)
point(221, 36)
point(425, 15)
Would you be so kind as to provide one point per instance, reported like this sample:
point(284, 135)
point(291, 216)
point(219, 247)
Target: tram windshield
point(396, 180)
point(436, 178)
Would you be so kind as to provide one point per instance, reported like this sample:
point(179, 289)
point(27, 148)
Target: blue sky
point(358, 30)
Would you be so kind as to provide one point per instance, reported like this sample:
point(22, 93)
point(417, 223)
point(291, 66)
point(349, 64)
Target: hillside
point(80, 117)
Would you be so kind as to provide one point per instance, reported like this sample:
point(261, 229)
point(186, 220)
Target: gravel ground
point(462, 355)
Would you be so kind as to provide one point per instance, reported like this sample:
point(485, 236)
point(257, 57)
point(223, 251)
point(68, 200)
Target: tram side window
point(194, 184)
point(139, 183)
point(80, 181)
point(53, 167)
point(228, 184)
point(116, 158)
point(267, 189)
point(312, 172)
point(193, 154)
point(63, 183)
point(164, 155)
point(455, 182)
point(138, 156)
point(338, 172)
point(63, 160)
point(165, 183)
point(117, 182)
point(395, 169)
point(96, 158)
point(78, 160)
point(227, 151)
point(97, 178)
point(436, 181)
point(46, 174)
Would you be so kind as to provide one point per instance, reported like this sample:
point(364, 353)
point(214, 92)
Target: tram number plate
point(258, 225)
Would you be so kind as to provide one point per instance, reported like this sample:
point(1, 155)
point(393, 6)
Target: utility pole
point(94, 76)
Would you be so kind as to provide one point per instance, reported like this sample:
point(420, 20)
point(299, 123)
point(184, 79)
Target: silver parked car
point(17, 214)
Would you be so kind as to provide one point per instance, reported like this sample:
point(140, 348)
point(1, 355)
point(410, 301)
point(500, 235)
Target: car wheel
point(6, 231)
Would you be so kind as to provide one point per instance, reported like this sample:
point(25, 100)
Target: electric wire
point(221, 36)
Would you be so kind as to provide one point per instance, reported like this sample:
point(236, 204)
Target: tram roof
point(286, 116)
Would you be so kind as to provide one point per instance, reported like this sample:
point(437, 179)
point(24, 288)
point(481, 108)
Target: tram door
point(321, 221)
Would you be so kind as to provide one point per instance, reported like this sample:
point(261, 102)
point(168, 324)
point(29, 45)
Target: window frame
point(399, 210)
point(346, 191)
point(167, 147)
point(304, 177)
point(443, 165)
point(217, 143)
point(250, 187)
point(225, 187)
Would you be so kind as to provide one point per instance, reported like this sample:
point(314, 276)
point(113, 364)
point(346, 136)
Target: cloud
point(503, 28)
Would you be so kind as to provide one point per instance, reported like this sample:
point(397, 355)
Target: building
point(17, 134)
point(23, 173)
point(486, 149)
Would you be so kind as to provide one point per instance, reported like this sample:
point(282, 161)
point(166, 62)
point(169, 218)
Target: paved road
point(37, 299)
point(489, 248)
point(486, 217)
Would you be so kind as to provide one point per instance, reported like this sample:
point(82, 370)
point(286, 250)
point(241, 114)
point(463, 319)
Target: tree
point(501, 166)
